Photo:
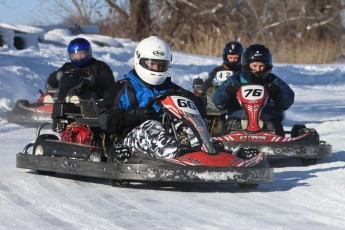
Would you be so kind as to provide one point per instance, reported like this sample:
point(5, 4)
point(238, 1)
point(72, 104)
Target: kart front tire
point(38, 150)
point(308, 161)
point(248, 186)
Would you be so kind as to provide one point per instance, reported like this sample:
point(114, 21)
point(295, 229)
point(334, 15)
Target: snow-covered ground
point(301, 197)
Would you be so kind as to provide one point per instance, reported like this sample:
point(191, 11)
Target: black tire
point(24, 103)
point(39, 140)
point(308, 161)
point(119, 183)
point(45, 173)
point(297, 130)
point(248, 186)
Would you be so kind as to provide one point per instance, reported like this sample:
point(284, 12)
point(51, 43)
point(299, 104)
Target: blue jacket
point(142, 93)
point(274, 107)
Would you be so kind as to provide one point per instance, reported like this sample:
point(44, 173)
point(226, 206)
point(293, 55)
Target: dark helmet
point(232, 47)
point(79, 52)
point(256, 53)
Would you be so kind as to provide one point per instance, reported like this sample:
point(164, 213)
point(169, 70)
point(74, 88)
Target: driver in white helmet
point(125, 113)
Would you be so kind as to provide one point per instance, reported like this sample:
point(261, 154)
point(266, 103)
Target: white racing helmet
point(152, 50)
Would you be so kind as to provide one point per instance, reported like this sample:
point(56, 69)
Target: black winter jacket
point(99, 69)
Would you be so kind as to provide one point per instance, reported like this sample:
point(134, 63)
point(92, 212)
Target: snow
point(7, 36)
point(301, 197)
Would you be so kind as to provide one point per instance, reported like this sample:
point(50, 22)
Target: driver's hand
point(144, 114)
point(232, 89)
point(273, 90)
point(59, 75)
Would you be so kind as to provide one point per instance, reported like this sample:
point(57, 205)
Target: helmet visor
point(78, 55)
point(155, 65)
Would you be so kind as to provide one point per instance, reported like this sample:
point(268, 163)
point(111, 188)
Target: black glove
point(231, 90)
point(273, 91)
point(247, 153)
point(144, 114)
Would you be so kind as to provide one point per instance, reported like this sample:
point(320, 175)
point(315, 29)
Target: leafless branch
point(317, 24)
point(118, 9)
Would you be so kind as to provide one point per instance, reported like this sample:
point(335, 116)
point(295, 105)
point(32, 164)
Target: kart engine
point(77, 134)
point(185, 135)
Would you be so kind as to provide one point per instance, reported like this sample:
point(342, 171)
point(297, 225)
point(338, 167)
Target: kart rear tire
point(39, 140)
point(248, 186)
point(299, 130)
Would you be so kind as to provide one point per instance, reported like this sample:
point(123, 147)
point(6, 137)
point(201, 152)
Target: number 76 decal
point(252, 92)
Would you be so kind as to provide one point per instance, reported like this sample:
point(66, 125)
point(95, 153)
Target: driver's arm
point(52, 80)
point(54, 77)
point(221, 98)
point(113, 119)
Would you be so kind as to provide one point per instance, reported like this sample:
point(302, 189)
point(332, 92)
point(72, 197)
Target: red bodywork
point(261, 137)
point(43, 108)
point(77, 134)
point(252, 99)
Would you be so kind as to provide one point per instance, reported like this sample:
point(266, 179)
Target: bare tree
point(137, 21)
point(81, 12)
point(140, 18)
point(203, 27)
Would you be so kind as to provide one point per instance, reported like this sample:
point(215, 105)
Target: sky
point(22, 11)
point(301, 197)
point(29, 12)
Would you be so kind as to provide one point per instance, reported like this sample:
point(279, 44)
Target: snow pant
point(151, 138)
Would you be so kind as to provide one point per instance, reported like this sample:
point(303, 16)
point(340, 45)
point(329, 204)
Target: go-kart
point(32, 114)
point(299, 142)
point(82, 148)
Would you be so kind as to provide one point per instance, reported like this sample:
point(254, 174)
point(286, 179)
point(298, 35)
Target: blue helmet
point(79, 52)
